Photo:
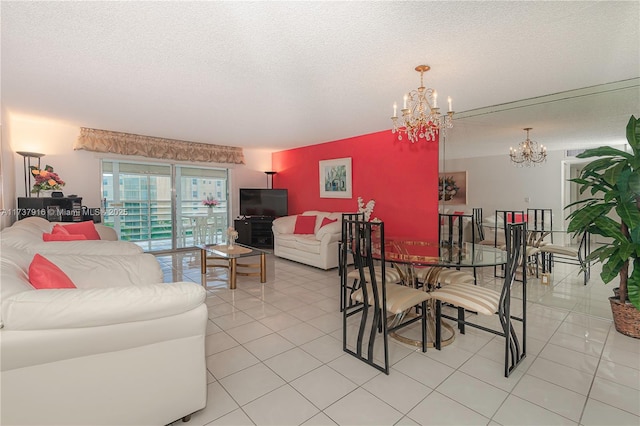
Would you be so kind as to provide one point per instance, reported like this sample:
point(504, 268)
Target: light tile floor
point(274, 357)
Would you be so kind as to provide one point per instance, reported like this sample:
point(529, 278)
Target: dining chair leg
point(438, 340)
point(424, 326)
point(461, 320)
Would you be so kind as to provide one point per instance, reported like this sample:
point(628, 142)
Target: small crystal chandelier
point(421, 118)
point(528, 153)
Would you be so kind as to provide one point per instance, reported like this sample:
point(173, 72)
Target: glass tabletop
point(237, 251)
point(424, 253)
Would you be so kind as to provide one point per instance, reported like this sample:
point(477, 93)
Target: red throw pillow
point(43, 274)
point(326, 221)
point(305, 225)
point(62, 237)
point(86, 228)
point(59, 230)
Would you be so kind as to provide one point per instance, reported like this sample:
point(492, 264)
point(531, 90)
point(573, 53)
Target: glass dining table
point(407, 256)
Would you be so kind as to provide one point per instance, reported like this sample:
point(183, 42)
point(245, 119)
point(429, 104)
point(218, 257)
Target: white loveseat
point(122, 348)
point(319, 249)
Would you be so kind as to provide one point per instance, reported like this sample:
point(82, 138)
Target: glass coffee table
point(223, 256)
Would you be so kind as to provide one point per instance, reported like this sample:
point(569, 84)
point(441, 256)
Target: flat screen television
point(263, 202)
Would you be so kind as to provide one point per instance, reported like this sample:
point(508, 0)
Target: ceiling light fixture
point(421, 117)
point(528, 153)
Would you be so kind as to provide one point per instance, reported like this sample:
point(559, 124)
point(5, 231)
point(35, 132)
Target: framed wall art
point(335, 178)
point(452, 187)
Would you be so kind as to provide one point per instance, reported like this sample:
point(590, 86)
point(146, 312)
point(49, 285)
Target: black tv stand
point(255, 231)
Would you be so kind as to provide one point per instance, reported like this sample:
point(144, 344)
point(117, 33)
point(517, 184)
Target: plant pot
point(626, 318)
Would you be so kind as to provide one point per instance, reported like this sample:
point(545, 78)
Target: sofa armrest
point(106, 233)
point(77, 308)
point(284, 225)
point(330, 233)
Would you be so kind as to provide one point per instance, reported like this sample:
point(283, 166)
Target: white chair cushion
point(561, 250)
point(445, 276)
point(399, 297)
point(391, 274)
point(472, 297)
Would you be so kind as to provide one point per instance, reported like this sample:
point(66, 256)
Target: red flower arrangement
point(46, 179)
point(210, 202)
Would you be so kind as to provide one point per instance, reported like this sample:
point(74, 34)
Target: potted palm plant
point(613, 180)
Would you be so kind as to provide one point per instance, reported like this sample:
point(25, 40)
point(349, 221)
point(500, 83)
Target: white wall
point(81, 169)
point(494, 184)
point(7, 181)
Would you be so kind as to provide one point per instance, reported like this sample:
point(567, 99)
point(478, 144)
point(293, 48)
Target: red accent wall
point(400, 176)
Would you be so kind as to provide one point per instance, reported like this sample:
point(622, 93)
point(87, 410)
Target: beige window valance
point(147, 146)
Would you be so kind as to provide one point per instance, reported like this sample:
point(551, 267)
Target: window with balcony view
point(139, 203)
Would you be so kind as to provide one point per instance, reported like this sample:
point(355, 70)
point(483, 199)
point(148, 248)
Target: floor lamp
point(26, 161)
point(270, 173)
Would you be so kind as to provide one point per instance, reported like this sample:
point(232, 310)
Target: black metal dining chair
point(466, 297)
point(347, 285)
point(378, 307)
point(540, 221)
point(555, 253)
point(454, 232)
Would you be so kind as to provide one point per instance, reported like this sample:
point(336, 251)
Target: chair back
point(346, 240)
point(455, 230)
point(540, 220)
point(477, 216)
point(368, 251)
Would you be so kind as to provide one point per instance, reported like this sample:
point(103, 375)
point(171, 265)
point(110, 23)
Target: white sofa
point(319, 249)
point(123, 348)
point(26, 235)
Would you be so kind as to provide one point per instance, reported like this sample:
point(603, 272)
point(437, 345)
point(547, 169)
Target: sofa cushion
point(51, 309)
point(62, 237)
point(284, 225)
point(14, 280)
point(305, 225)
point(59, 230)
point(109, 271)
point(334, 229)
point(86, 228)
point(307, 244)
point(322, 215)
point(36, 222)
point(326, 221)
point(45, 275)
point(287, 240)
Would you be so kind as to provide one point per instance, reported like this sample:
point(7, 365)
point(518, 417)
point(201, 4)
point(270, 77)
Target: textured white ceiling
point(277, 75)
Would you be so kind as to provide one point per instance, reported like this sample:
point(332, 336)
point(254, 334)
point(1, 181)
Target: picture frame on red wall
point(335, 178)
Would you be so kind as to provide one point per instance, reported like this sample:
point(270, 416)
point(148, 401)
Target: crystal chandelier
point(528, 153)
point(421, 118)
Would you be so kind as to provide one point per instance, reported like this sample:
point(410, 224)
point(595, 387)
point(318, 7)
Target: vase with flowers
point(210, 202)
point(45, 180)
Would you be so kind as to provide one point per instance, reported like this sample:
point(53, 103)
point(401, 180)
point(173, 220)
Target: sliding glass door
point(202, 208)
point(164, 206)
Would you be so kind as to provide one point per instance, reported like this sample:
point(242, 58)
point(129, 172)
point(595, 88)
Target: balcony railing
point(144, 220)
